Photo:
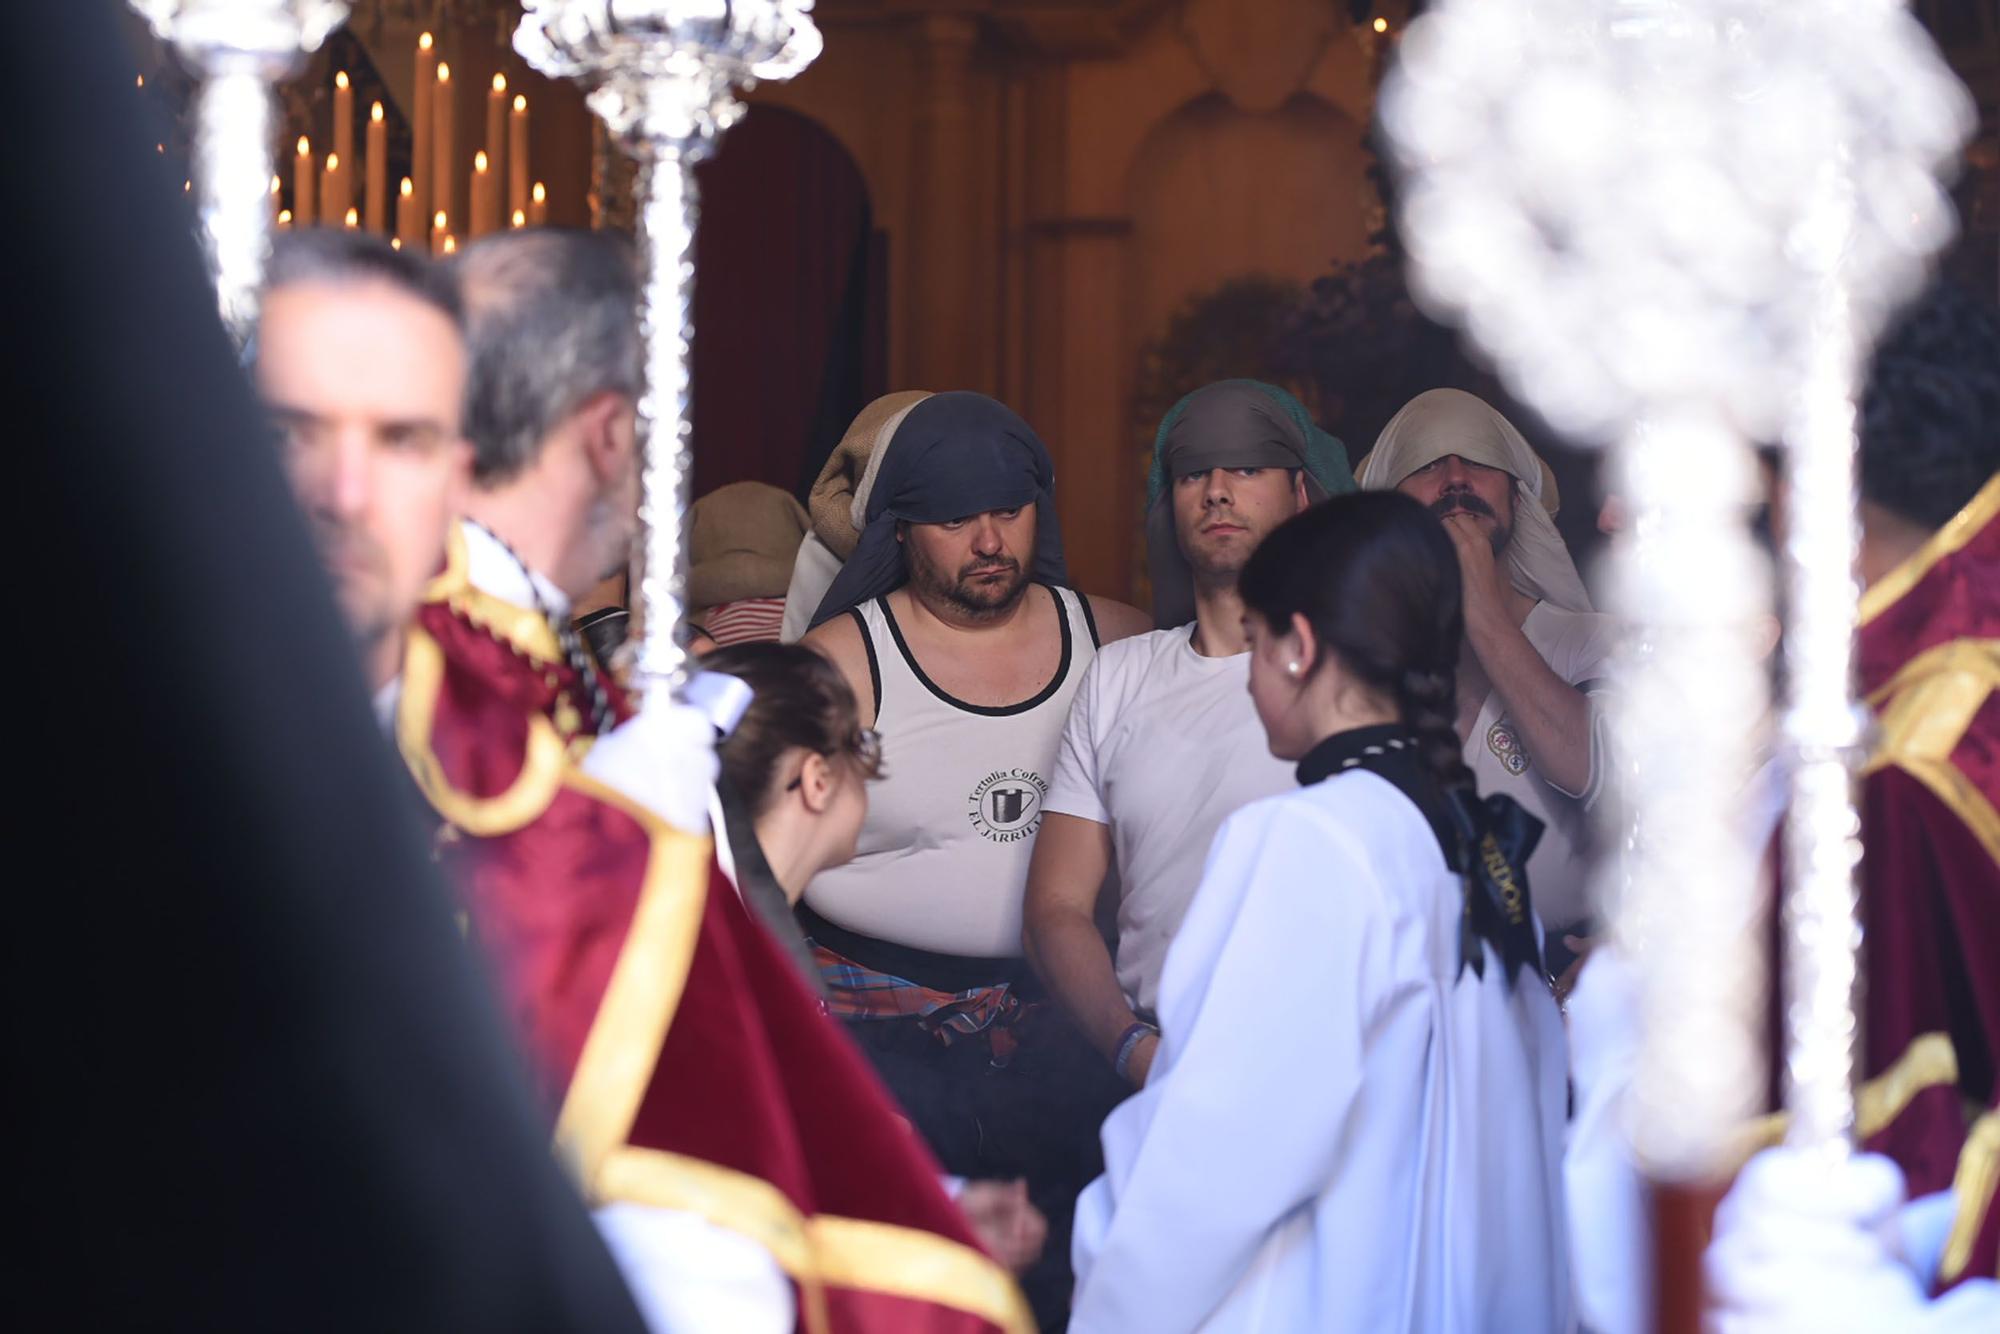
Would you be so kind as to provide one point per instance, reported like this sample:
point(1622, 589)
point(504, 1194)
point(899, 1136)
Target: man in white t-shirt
point(1535, 652)
point(1162, 744)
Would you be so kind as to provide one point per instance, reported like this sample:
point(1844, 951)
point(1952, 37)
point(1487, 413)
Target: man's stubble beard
point(967, 601)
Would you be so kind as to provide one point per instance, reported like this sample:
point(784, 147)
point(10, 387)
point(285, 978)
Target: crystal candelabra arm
point(667, 215)
point(235, 121)
point(238, 49)
point(1822, 724)
point(662, 75)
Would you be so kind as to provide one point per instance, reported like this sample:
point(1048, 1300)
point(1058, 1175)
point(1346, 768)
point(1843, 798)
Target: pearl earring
point(1292, 667)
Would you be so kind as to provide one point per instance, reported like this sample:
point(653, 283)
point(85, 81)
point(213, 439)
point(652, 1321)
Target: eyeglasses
point(866, 748)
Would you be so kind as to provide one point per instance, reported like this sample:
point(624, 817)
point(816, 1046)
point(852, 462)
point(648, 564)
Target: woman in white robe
point(1354, 1120)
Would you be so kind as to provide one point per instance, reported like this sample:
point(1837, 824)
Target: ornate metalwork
point(663, 75)
point(1674, 225)
point(238, 49)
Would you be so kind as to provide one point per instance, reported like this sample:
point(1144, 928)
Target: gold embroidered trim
point(1885, 592)
point(1980, 657)
point(1975, 1182)
point(523, 629)
point(1921, 728)
point(821, 1251)
point(526, 797)
point(1929, 1060)
point(639, 1001)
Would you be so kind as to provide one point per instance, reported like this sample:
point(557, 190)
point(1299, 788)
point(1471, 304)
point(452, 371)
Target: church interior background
point(1082, 207)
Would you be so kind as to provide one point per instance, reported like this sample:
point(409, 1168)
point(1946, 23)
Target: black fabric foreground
point(257, 1082)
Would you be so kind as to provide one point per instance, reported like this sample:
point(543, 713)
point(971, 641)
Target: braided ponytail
point(1427, 700)
point(1377, 578)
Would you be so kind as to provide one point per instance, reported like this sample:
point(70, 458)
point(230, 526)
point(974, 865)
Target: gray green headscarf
point(1228, 424)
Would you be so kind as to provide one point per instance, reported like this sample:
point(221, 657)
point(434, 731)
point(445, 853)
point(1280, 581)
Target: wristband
point(1128, 1042)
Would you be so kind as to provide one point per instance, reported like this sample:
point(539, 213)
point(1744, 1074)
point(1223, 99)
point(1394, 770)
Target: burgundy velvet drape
point(787, 302)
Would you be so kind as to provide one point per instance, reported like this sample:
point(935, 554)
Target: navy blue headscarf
point(955, 455)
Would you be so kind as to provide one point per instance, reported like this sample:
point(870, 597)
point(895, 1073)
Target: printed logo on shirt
point(1500, 739)
point(1006, 806)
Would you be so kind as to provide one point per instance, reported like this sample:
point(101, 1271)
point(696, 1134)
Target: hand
point(1006, 1224)
point(1140, 1063)
point(1801, 1242)
point(1580, 946)
point(1478, 571)
point(664, 759)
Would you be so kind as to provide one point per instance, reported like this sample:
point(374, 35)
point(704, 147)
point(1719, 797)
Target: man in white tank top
point(1162, 744)
point(953, 624)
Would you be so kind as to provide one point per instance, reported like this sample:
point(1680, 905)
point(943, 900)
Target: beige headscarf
point(1438, 422)
point(839, 505)
point(839, 499)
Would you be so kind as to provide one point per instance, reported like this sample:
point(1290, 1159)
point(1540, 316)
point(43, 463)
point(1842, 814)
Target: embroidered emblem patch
point(1006, 806)
point(1500, 739)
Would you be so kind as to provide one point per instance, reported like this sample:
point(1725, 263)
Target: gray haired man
point(556, 371)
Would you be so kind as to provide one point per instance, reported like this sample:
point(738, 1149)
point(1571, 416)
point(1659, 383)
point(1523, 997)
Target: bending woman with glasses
point(1354, 1120)
point(794, 784)
point(793, 792)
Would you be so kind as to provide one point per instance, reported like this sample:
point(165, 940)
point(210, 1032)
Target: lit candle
point(305, 175)
point(538, 205)
point(352, 220)
point(485, 196)
point(395, 243)
point(343, 117)
point(377, 196)
point(332, 191)
point(277, 192)
point(409, 220)
point(450, 244)
point(440, 227)
point(420, 123)
point(444, 138)
point(517, 156)
point(517, 219)
point(496, 129)
point(284, 219)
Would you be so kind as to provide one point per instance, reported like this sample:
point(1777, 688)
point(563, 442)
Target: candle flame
point(305, 146)
point(340, 80)
point(276, 185)
point(499, 83)
point(186, 186)
point(438, 221)
point(520, 219)
point(479, 160)
point(406, 189)
point(1381, 25)
point(520, 102)
point(451, 245)
point(395, 243)
point(333, 162)
point(444, 72)
point(142, 81)
point(354, 217)
point(284, 215)
point(375, 112)
point(423, 41)
point(541, 193)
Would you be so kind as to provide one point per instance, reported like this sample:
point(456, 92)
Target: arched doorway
point(790, 302)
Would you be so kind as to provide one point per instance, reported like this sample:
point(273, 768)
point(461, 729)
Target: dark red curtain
point(788, 303)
